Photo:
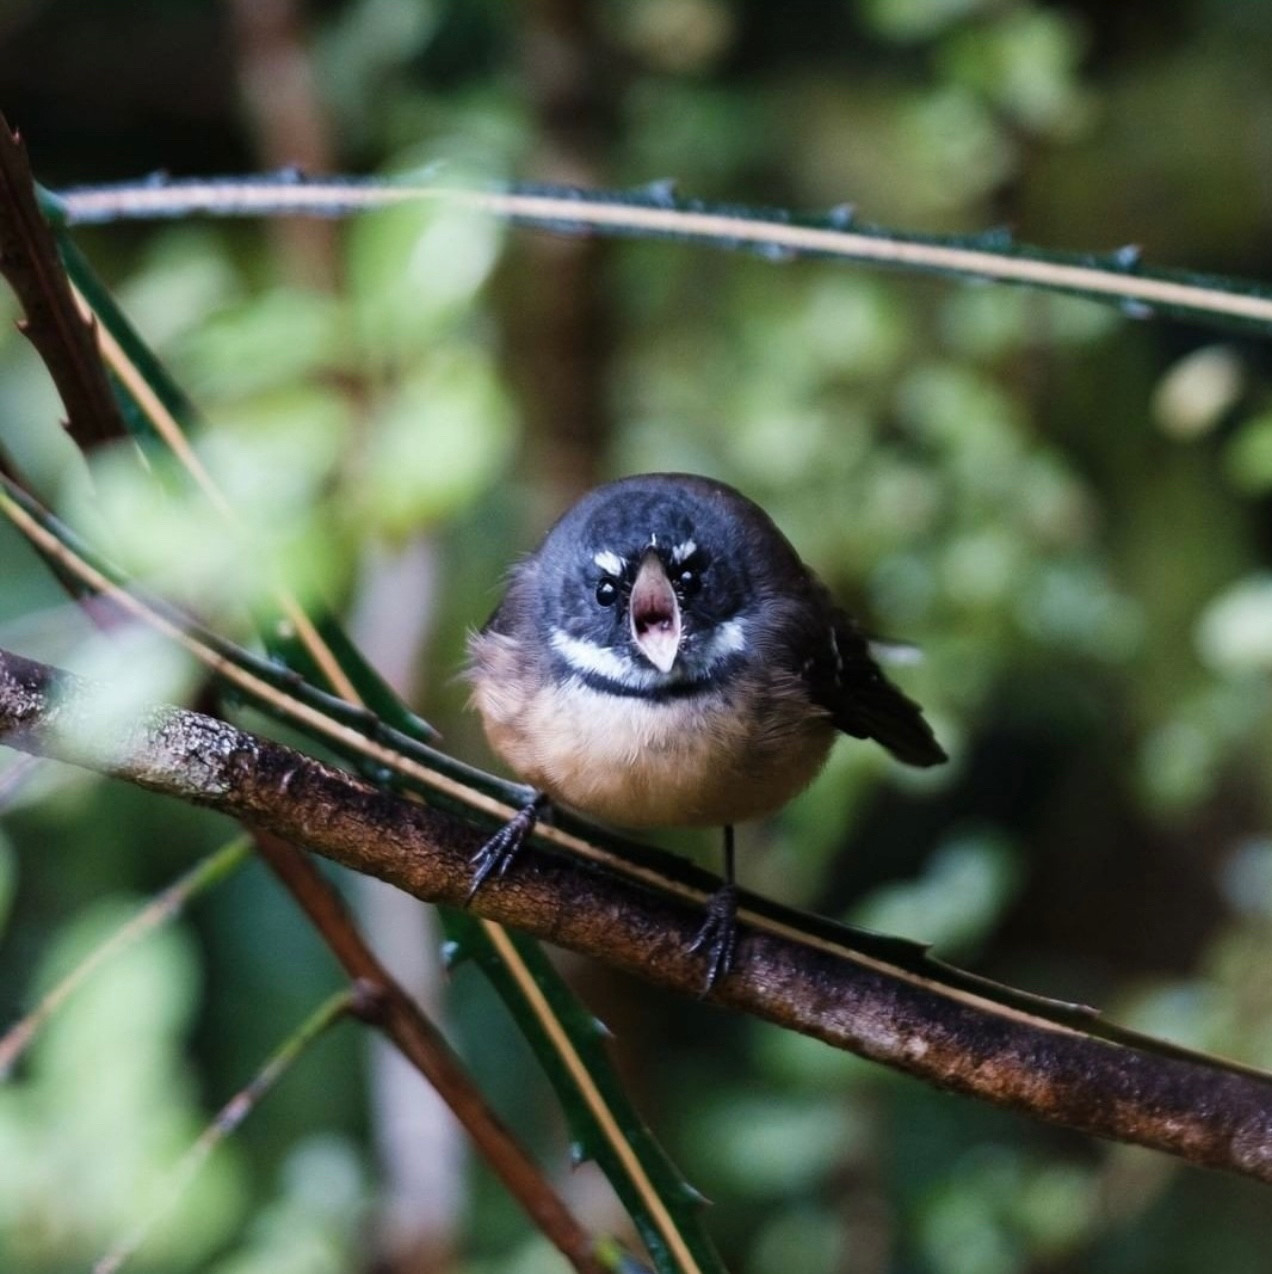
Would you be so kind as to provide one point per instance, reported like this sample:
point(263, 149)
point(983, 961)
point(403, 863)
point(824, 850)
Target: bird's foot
point(496, 855)
point(718, 937)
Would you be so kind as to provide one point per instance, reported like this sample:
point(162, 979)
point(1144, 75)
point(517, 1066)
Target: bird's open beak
point(654, 613)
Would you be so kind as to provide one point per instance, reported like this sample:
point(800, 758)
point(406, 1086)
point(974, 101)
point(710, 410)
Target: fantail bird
point(664, 658)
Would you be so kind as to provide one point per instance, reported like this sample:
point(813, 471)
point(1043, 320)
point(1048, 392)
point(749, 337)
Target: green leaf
point(8, 879)
point(1248, 456)
point(604, 1125)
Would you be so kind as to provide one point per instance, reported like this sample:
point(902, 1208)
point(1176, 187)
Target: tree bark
point(1201, 1110)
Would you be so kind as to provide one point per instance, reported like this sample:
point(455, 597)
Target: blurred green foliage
point(1067, 511)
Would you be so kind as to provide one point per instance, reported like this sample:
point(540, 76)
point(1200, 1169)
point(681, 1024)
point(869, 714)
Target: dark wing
point(864, 703)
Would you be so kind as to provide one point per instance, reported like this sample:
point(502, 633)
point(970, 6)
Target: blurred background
point(1067, 510)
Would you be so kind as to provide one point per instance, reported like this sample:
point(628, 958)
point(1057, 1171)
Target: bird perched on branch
point(664, 658)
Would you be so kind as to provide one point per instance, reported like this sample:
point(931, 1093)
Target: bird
point(665, 658)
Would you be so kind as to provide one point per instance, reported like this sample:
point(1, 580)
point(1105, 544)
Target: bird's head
point(646, 585)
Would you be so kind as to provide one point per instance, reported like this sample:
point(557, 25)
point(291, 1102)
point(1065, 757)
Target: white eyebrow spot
point(609, 562)
point(683, 551)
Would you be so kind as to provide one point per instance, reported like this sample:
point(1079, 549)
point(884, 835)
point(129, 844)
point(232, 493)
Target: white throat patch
point(589, 659)
point(600, 661)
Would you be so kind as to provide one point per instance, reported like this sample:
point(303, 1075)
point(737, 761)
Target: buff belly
point(690, 761)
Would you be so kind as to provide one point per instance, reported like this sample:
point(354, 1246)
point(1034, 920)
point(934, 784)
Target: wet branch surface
point(1204, 1113)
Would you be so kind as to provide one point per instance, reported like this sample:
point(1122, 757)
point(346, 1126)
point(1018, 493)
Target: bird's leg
point(496, 855)
point(718, 936)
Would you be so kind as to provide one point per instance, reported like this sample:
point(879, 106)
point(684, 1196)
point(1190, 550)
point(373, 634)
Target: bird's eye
point(689, 581)
point(607, 591)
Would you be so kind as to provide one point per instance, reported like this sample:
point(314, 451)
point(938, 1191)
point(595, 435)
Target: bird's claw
point(497, 854)
point(718, 937)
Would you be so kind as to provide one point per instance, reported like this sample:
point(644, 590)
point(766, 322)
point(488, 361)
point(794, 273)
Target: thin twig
point(1200, 1109)
point(163, 907)
point(30, 253)
point(410, 1029)
point(227, 1119)
point(61, 327)
point(385, 1004)
point(15, 777)
point(53, 323)
point(1118, 278)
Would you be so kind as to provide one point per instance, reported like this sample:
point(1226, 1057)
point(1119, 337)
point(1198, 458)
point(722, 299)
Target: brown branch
point(1204, 1112)
point(385, 1004)
point(283, 111)
point(64, 339)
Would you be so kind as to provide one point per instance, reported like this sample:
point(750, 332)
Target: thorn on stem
point(367, 1001)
